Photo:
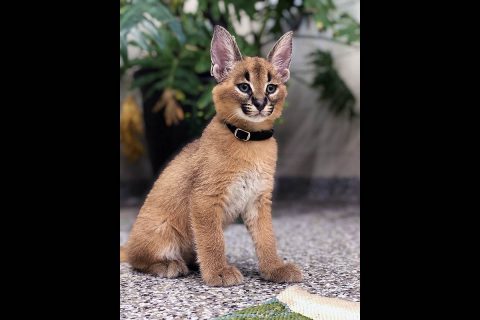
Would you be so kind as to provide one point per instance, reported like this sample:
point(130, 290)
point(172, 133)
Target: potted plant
point(172, 69)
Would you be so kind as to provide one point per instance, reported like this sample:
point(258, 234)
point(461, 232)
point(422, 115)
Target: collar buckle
point(243, 133)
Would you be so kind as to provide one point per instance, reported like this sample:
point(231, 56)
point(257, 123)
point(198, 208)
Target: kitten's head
point(251, 91)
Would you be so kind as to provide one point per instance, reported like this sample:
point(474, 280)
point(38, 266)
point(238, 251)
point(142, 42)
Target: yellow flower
point(131, 129)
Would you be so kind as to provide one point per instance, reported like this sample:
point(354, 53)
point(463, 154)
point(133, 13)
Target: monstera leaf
point(145, 24)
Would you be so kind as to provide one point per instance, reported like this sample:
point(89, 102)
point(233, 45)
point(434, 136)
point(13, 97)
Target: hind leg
point(164, 263)
point(159, 249)
point(176, 268)
point(168, 269)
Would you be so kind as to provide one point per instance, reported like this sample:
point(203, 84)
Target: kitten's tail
point(123, 254)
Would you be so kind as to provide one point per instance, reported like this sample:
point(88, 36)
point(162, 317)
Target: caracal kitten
point(226, 173)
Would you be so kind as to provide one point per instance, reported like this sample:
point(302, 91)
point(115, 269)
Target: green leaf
point(137, 19)
point(246, 48)
point(153, 33)
point(124, 50)
point(139, 40)
point(157, 10)
point(202, 5)
point(215, 10)
point(131, 18)
point(187, 76)
point(210, 113)
point(159, 86)
point(203, 64)
point(146, 79)
point(176, 28)
point(246, 6)
point(347, 29)
point(205, 99)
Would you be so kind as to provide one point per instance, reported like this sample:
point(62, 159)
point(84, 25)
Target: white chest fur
point(242, 194)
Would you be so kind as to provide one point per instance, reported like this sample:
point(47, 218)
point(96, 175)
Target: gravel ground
point(324, 242)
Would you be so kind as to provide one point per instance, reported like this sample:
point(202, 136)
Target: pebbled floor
point(323, 241)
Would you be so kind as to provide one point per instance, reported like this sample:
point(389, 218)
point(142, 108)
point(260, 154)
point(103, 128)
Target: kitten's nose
point(259, 104)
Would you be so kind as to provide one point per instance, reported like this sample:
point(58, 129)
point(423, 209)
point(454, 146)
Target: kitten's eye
point(271, 88)
point(244, 87)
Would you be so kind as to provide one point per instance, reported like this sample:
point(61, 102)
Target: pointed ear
point(224, 53)
point(281, 55)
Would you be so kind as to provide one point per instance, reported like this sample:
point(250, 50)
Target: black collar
point(244, 135)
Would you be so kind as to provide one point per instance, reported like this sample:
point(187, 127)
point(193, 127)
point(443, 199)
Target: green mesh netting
point(272, 309)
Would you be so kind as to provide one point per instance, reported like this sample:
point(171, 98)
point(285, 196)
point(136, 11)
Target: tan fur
point(123, 255)
point(196, 196)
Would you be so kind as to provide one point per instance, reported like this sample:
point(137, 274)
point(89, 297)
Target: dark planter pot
point(163, 142)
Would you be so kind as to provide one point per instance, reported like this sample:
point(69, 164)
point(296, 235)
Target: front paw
point(288, 272)
point(227, 276)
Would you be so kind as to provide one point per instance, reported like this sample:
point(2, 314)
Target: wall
point(319, 153)
point(313, 141)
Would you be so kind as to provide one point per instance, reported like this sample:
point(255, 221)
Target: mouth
point(247, 108)
point(250, 111)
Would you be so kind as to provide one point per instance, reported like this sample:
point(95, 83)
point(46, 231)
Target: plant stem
point(171, 74)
